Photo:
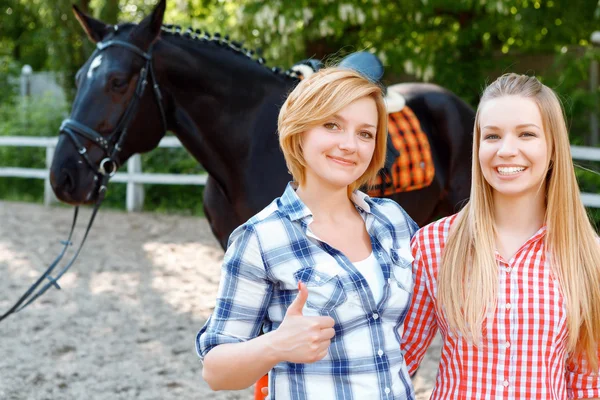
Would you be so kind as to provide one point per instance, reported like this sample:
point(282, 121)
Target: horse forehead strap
point(115, 42)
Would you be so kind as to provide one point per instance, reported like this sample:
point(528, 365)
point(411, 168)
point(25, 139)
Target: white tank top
point(371, 271)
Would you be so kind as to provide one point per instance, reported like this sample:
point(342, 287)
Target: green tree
point(108, 11)
point(454, 43)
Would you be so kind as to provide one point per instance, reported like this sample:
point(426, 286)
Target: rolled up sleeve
point(243, 296)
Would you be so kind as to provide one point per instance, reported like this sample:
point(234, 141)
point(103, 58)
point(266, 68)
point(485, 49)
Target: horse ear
point(148, 30)
point(95, 29)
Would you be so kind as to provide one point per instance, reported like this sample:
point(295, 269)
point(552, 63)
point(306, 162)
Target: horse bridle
point(107, 167)
point(112, 145)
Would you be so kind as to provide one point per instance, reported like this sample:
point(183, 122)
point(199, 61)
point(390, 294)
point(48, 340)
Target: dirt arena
point(123, 327)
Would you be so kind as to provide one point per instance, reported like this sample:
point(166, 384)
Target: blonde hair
point(318, 98)
point(468, 280)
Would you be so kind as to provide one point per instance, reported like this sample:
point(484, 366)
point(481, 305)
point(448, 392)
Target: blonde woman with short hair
point(512, 282)
point(324, 269)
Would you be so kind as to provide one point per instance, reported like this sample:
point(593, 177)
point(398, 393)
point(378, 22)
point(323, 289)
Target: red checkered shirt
point(523, 352)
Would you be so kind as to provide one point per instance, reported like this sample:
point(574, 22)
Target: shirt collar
point(362, 201)
point(539, 235)
point(292, 206)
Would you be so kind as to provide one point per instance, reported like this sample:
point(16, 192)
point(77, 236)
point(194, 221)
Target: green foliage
point(40, 117)
point(22, 35)
point(108, 12)
point(68, 46)
point(453, 43)
point(568, 77)
point(184, 199)
point(44, 35)
point(8, 81)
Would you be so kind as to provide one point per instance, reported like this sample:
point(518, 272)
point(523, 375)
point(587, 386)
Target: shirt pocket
point(325, 289)
point(401, 268)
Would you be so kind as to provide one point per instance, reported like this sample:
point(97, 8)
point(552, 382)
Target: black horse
point(222, 102)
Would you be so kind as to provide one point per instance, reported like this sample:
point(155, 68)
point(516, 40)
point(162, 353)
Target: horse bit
point(105, 170)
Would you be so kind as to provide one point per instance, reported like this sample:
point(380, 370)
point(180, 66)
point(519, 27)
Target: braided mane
point(224, 41)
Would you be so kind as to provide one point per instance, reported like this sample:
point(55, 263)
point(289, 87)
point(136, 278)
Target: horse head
point(117, 109)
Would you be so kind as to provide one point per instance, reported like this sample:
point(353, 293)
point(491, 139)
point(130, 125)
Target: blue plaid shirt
point(275, 249)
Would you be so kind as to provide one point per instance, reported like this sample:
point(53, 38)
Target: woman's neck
point(325, 203)
point(519, 215)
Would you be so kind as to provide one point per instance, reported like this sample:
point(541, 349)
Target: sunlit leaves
point(451, 42)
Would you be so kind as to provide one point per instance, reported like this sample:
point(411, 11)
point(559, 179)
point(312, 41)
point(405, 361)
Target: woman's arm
point(298, 339)
point(236, 366)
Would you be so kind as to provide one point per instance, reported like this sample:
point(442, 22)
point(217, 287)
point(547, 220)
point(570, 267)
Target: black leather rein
point(111, 147)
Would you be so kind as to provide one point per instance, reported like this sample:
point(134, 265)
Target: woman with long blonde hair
point(512, 281)
point(321, 268)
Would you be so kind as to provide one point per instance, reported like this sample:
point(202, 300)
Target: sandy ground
point(123, 327)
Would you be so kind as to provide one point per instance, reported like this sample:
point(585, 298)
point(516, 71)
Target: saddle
point(408, 163)
point(413, 167)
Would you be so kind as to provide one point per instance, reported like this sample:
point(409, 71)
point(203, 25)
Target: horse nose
point(65, 181)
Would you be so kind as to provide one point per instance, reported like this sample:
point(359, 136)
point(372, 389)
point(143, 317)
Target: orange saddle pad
point(414, 168)
point(262, 383)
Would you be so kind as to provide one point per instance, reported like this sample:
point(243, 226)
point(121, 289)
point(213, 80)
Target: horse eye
point(118, 83)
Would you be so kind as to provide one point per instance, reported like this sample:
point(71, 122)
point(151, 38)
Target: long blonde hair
point(468, 280)
point(319, 97)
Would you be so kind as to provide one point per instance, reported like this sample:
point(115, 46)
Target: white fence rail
point(135, 179)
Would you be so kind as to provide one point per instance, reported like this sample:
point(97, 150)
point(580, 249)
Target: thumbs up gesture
point(301, 339)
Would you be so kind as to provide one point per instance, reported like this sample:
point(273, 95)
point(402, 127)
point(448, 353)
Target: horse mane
point(225, 42)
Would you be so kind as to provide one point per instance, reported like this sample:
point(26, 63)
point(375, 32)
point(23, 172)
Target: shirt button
point(508, 306)
point(505, 383)
point(387, 390)
point(507, 345)
point(390, 281)
point(380, 353)
point(380, 254)
point(318, 278)
point(508, 270)
point(375, 316)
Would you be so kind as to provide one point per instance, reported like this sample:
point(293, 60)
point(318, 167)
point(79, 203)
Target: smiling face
point(513, 150)
point(339, 151)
